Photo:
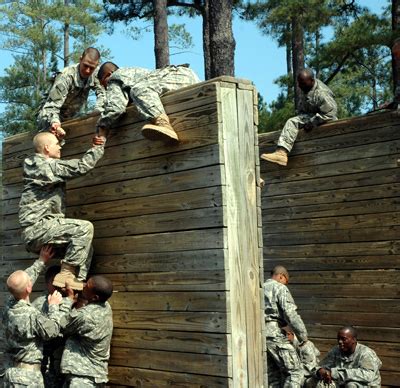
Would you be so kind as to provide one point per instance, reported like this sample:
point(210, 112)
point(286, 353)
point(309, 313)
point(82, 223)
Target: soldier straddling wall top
point(42, 206)
point(69, 93)
point(143, 88)
point(317, 107)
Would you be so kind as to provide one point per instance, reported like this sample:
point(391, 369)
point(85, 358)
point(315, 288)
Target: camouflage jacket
point(280, 310)
point(308, 355)
point(26, 327)
point(362, 366)
point(87, 349)
point(319, 101)
point(43, 195)
point(69, 93)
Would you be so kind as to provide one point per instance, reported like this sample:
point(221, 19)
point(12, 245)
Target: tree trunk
point(66, 39)
point(297, 56)
point(289, 69)
point(222, 43)
point(206, 40)
point(161, 40)
point(395, 28)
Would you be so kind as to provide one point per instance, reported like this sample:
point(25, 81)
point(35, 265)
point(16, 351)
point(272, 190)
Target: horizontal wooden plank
point(337, 182)
point(213, 365)
point(147, 378)
point(207, 343)
point(170, 301)
point(378, 290)
point(177, 280)
point(208, 322)
point(331, 236)
point(336, 262)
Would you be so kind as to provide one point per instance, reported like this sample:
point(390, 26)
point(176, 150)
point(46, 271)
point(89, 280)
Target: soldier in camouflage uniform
point(349, 364)
point(53, 348)
point(143, 88)
point(26, 327)
point(317, 107)
point(89, 331)
point(42, 206)
point(284, 367)
point(70, 91)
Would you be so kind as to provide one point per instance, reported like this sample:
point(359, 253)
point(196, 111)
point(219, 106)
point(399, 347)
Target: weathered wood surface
point(332, 218)
point(169, 234)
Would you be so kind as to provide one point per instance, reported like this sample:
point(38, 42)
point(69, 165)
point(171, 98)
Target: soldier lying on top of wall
point(142, 88)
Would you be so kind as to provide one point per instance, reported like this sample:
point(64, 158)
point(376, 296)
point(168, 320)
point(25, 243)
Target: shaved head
point(305, 73)
point(305, 80)
point(280, 270)
point(17, 284)
point(91, 53)
point(42, 139)
point(106, 68)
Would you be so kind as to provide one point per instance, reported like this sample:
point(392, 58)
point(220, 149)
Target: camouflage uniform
point(25, 328)
point(87, 350)
point(52, 350)
point(284, 366)
point(309, 357)
point(361, 369)
point(67, 96)
point(42, 207)
point(316, 107)
point(143, 88)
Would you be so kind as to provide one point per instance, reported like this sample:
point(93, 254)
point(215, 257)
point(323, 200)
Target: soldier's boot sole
point(274, 159)
point(61, 279)
point(156, 132)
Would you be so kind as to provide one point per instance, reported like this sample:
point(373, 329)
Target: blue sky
point(257, 57)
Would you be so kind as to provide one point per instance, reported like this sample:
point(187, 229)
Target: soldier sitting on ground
point(317, 107)
point(42, 206)
point(349, 364)
point(26, 327)
point(53, 348)
point(142, 88)
point(89, 330)
point(283, 363)
point(69, 93)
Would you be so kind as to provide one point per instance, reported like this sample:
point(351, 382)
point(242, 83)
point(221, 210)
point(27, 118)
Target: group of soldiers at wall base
point(63, 338)
point(293, 360)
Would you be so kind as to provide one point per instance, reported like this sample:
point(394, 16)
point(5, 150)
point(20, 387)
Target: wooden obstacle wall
point(177, 230)
point(332, 217)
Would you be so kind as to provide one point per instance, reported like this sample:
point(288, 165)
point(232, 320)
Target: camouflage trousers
point(314, 383)
point(72, 381)
point(283, 365)
point(291, 130)
point(19, 378)
point(75, 235)
point(145, 95)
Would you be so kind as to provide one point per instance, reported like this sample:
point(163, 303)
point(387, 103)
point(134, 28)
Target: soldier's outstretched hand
point(99, 140)
point(55, 297)
point(47, 253)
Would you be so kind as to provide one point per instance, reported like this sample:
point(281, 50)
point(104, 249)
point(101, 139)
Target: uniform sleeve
point(100, 96)
point(55, 100)
point(67, 169)
point(115, 105)
point(328, 109)
point(35, 270)
point(75, 323)
point(291, 316)
point(365, 373)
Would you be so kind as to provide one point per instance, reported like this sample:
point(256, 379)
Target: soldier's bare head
point(97, 289)
point(88, 62)
point(47, 144)
point(280, 274)
point(347, 340)
point(105, 72)
point(305, 79)
point(19, 285)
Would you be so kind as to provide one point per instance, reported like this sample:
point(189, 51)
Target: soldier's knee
point(87, 228)
point(353, 385)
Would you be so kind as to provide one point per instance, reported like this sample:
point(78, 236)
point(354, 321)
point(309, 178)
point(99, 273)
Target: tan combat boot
point(67, 273)
point(160, 129)
point(279, 157)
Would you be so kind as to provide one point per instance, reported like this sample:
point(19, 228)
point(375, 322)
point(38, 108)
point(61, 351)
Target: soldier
point(284, 366)
point(349, 364)
point(26, 327)
point(70, 91)
point(42, 206)
point(53, 348)
point(143, 88)
point(87, 349)
point(317, 107)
